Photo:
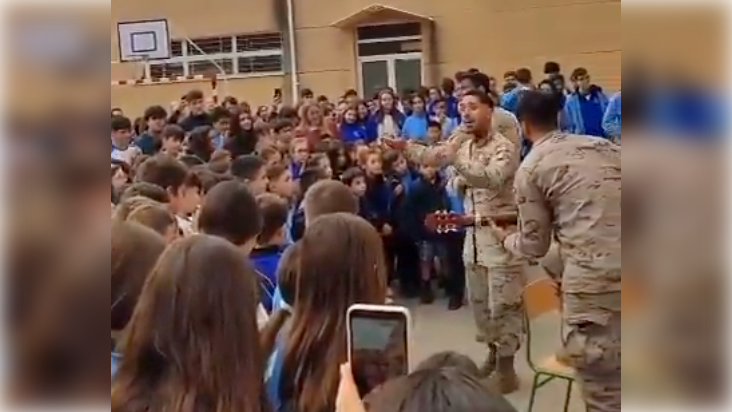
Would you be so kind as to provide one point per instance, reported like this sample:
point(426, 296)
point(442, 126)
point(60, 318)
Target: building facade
point(359, 44)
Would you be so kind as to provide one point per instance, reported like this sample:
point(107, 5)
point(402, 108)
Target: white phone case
point(389, 309)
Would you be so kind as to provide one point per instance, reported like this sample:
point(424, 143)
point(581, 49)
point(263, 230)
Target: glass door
point(374, 76)
point(407, 74)
point(398, 71)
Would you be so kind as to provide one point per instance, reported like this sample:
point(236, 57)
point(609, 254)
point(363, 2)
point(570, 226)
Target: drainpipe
point(293, 50)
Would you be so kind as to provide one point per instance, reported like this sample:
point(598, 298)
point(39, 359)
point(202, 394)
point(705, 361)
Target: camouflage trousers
point(496, 297)
point(593, 350)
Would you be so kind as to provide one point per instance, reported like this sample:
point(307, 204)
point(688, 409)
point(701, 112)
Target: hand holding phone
point(379, 340)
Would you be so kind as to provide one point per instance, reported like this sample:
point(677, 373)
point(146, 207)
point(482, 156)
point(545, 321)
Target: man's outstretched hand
point(394, 143)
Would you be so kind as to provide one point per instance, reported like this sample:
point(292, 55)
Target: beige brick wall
point(492, 35)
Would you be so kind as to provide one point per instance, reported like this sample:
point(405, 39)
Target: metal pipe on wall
point(294, 78)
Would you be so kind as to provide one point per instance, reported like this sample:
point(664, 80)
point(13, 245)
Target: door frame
point(390, 60)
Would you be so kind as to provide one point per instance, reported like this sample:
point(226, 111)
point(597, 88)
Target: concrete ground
point(436, 330)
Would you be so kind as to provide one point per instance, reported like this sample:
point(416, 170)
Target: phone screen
point(379, 345)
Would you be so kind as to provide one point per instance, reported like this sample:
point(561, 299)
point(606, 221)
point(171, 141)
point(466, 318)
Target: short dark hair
point(329, 196)
point(231, 100)
point(352, 174)
point(510, 73)
point(322, 99)
point(274, 216)
point(482, 96)
point(121, 123)
point(579, 72)
point(350, 92)
point(539, 109)
point(552, 68)
point(193, 95)
point(281, 124)
point(229, 210)
point(175, 132)
point(447, 85)
point(155, 112)
point(145, 189)
point(310, 176)
point(523, 75)
point(479, 81)
point(305, 93)
point(450, 360)
point(164, 171)
point(246, 167)
point(434, 124)
point(219, 113)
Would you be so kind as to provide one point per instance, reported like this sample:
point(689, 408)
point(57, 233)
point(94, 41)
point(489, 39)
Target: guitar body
point(444, 221)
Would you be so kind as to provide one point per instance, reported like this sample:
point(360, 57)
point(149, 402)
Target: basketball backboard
point(143, 40)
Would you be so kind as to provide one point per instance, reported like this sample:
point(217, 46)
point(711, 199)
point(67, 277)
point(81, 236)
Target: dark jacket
point(400, 211)
point(191, 122)
point(375, 203)
point(426, 197)
point(242, 143)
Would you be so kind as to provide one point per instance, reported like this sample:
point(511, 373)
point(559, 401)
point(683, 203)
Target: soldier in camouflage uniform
point(487, 161)
point(569, 188)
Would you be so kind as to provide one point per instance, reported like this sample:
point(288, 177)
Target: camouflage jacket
point(488, 167)
point(569, 188)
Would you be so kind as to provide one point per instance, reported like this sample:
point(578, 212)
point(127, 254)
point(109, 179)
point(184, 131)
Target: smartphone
point(379, 344)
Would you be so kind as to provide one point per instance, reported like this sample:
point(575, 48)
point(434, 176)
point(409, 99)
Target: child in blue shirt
point(271, 243)
point(353, 130)
point(415, 127)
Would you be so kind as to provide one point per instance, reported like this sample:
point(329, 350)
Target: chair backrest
point(540, 297)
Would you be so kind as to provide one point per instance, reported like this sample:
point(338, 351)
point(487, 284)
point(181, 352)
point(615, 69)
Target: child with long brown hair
point(190, 345)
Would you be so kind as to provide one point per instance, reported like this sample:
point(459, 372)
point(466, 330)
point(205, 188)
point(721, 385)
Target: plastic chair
point(540, 299)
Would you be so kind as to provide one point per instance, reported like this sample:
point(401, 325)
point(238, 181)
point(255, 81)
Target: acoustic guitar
point(443, 221)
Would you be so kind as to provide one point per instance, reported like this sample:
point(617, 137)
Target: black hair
point(121, 123)
point(219, 113)
point(305, 93)
point(352, 174)
point(480, 81)
point(155, 112)
point(350, 92)
point(246, 167)
point(434, 124)
point(552, 68)
point(539, 109)
point(482, 96)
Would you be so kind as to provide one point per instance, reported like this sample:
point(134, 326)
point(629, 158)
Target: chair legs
point(569, 395)
point(534, 389)
point(538, 383)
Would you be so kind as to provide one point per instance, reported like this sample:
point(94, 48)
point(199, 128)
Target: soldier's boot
point(504, 379)
point(489, 365)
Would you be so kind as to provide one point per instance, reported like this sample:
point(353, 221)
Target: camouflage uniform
point(495, 278)
point(506, 124)
point(569, 185)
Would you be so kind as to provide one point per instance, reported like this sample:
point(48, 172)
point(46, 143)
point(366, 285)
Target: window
point(226, 55)
point(386, 31)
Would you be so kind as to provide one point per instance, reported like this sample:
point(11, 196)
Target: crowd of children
point(281, 151)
